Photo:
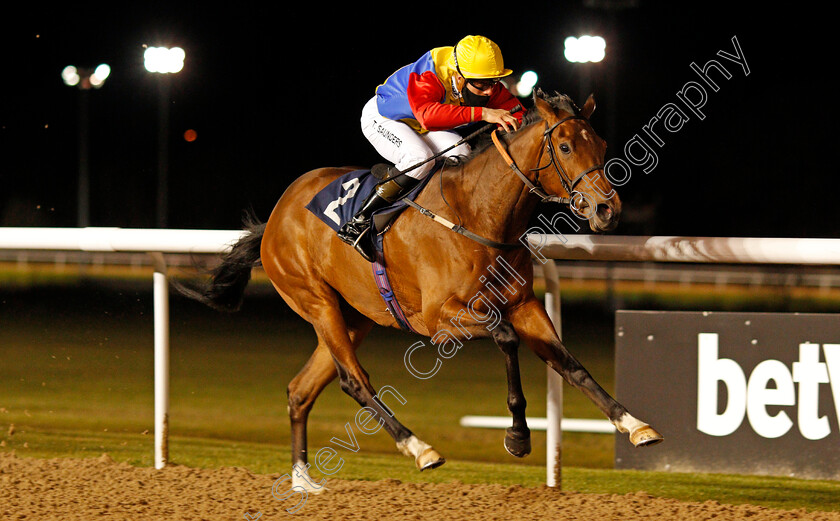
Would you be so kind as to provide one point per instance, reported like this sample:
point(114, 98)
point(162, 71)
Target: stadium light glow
point(584, 49)
point(164, 60)
point(84, 78)
point(526, 83)
point(100, 74)
point(70, 75)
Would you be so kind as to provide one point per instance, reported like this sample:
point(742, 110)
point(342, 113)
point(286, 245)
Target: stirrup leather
point(354, 232)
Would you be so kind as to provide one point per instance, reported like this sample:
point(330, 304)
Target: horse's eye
point(565, 148)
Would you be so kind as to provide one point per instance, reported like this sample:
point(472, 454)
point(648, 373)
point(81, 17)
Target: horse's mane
point(558, 101)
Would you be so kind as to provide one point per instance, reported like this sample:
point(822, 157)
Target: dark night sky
point(276, 91)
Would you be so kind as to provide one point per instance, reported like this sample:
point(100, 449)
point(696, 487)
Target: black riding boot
point(353, 232)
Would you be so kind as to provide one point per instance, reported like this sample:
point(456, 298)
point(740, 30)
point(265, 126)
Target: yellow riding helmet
point(477, 57)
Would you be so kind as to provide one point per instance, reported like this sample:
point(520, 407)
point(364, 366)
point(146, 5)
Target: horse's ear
point(588, 107)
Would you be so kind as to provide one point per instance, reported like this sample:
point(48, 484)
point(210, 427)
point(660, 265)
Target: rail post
point(554, 385)
point(161, 305)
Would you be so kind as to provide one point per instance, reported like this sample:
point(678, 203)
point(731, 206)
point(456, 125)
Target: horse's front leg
point(534, 326)
point(517, 437)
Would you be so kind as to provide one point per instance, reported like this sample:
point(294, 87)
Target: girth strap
point(380, 276)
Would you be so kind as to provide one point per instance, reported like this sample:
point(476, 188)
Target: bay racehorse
point(436, 275)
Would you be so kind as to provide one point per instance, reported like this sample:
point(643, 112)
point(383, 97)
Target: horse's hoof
point(308, 484)
point(429, 459)
point(315, 491)
point(644, 436)
point(517, 444)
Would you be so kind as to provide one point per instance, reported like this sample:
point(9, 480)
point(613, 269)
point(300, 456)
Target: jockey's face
point(482, 87)
point(477, 87)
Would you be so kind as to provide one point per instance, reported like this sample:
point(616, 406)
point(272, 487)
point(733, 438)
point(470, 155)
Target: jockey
point(414, 113)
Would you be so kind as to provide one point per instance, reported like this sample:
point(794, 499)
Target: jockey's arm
point(426, 90)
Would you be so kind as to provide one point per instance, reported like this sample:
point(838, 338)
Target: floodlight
point(526, 83)
point(584, 49)
point(164, 60)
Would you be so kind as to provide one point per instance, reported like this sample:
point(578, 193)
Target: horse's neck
point(492, 200)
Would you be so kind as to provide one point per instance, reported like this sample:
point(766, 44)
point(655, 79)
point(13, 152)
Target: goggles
point(483, 84)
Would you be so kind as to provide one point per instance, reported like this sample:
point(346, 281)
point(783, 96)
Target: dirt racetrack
point(99, 488)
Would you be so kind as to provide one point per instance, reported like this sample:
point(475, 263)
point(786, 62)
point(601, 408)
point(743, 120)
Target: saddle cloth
point(339, 201)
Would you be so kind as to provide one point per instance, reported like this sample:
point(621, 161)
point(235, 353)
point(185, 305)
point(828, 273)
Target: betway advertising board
point(746, 393)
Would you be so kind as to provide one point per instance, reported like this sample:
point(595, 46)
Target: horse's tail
point(226, 288)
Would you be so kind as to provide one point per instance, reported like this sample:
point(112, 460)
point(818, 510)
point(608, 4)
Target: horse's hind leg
point(304, 388)
point(332, 331)
point(302, 392)
point(517, 437)
point(533, 325)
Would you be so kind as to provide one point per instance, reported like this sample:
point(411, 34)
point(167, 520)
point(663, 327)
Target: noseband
point(567, 181)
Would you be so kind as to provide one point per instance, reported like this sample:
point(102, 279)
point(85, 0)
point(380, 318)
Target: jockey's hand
point(501, 117)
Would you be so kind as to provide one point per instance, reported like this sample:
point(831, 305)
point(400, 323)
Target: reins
point(463, 140)
point(457, 228)
point(568, 182)
point(533, 188)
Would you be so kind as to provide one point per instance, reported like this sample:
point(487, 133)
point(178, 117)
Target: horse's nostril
point(605, 212)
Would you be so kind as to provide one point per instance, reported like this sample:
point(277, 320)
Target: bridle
point(567, 181)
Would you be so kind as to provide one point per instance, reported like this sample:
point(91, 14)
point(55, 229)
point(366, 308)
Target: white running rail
point(157, 242)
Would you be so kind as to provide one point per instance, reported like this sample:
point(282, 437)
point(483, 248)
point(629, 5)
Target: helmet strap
point(459, 83)
point(455, 59)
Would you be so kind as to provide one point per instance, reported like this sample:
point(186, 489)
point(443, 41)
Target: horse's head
point(571, 164)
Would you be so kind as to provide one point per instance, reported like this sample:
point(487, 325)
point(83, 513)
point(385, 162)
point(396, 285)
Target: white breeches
point(402, 146)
